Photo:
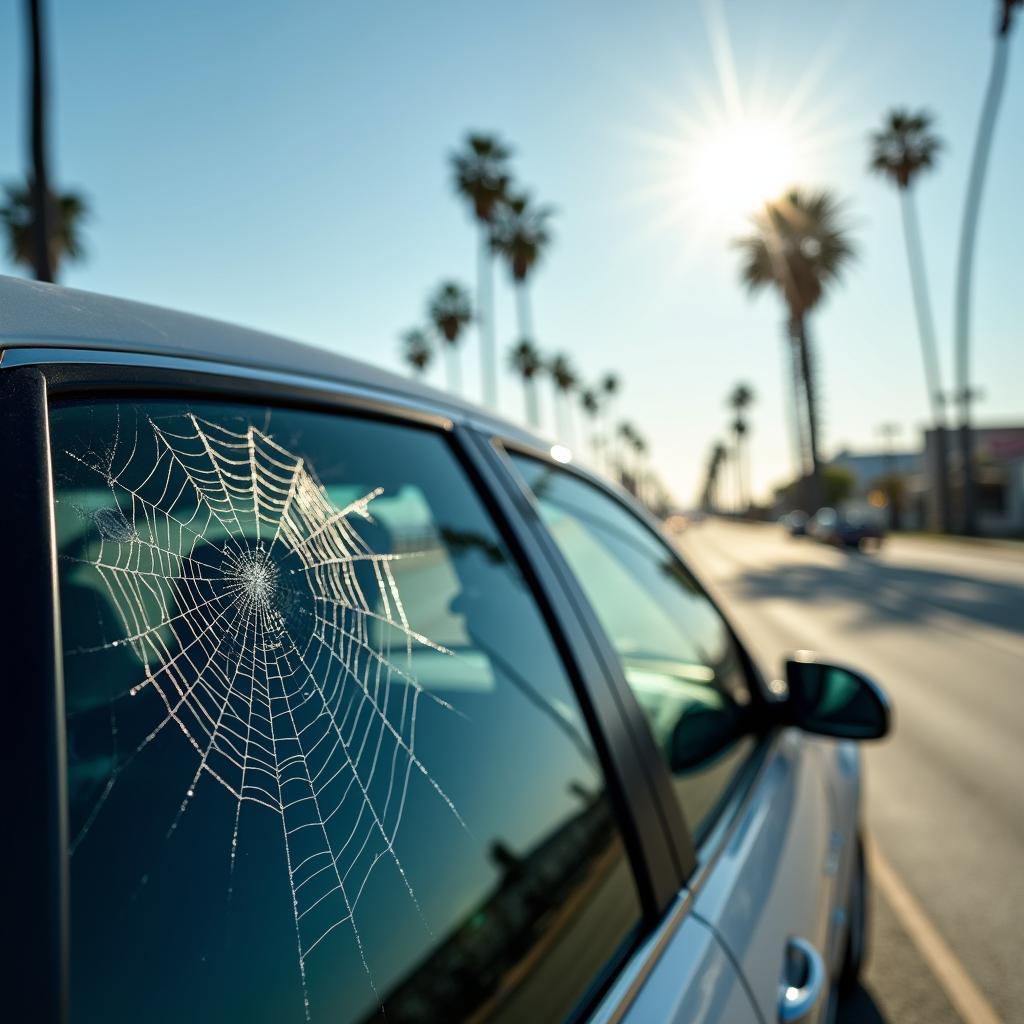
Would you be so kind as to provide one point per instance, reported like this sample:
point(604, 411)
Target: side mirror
point(832, 700)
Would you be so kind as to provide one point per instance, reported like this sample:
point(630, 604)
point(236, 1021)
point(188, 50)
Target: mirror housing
point(833, 700)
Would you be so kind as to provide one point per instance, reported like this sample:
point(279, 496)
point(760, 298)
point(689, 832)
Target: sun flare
point(724, 146)
point(741, 165)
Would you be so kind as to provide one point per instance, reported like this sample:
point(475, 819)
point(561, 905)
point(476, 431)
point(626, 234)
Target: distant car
point(341, 699)
point(845, 529)
point(795, 522)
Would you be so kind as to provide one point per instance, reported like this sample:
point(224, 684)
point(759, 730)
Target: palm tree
point(715, 461)
point(39, 185)
point(19, 217)
point(591, 406)
point(799, 247)
point(520, 235)
point(417, 350)
point(609, 387)
point(740, 399)
point(639, 445)
point(526, 361)
point(449, 311)
point(481, 177)
point(904, 148)
point(627, 435)
point(965, 264)
point(564, 379)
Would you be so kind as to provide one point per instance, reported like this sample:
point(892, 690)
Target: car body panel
point(783, 871)
point(777, 869)
point(694, 981)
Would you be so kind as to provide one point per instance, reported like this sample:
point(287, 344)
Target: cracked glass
point(324, 762)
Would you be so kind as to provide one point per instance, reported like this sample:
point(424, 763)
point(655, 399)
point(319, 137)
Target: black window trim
point(39, 905)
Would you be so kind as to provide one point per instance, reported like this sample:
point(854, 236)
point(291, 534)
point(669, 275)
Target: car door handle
point(803, 982)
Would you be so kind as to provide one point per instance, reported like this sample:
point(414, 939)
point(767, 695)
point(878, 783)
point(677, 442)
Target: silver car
point(332, 698)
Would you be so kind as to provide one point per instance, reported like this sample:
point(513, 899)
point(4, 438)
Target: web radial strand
point(266, 627)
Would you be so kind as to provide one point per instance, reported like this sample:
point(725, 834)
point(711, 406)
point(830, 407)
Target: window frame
point(35, 378)
point(695, 852)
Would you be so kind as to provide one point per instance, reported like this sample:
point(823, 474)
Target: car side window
point(324, 760)
point(677, 653)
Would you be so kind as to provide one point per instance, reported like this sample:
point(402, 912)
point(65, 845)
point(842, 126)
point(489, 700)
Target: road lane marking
point(967, 999)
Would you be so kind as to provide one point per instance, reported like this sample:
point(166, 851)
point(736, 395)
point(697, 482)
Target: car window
point(322, 754)
point(677, 654)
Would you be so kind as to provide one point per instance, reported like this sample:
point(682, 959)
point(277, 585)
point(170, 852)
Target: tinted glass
point(676, 651)
point(322, 752)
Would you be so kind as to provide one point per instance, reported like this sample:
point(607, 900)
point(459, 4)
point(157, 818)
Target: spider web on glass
point(272, 635)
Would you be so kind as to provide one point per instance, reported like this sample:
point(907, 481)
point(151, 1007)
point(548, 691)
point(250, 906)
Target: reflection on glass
point(322, 752)
point(676, 652)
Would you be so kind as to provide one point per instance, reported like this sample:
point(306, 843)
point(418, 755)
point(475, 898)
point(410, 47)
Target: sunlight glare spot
point(742, 165)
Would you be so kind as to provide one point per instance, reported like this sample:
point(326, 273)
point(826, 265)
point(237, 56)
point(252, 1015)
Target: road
point(941, 625)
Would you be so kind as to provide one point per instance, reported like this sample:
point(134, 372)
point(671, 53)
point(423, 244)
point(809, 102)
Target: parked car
point(332, 692)
point(846, 529)
point(795, 523)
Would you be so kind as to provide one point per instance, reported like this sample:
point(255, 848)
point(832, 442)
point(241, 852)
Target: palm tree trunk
point(453, 368)
point(485, 316)
point(929, 351)
point(746, 471)
point(792, 373)
point(968, 231)
point(738, 472)
point(523, 311)
point(41, 213)
point(811, 401)
point(532, 406)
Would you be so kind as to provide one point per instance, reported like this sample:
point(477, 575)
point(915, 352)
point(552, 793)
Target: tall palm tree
point(526, 361)
point(799, 246)
point(39, 184)
point(740, 399)
point(903, 149)
point(449, 310)
point(417, 350)
point(18, 214)
point(591, 406)
point(520, 235)
point(564, 379)
point(481, 177)
point(639, 446)
point(626, 435)
point(715, 462)
point(965, 263)
point(609, 387)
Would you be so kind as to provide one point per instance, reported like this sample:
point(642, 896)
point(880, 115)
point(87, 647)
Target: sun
point(740, 165)
point(718, 148)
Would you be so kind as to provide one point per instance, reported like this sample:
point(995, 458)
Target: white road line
point(967, 999)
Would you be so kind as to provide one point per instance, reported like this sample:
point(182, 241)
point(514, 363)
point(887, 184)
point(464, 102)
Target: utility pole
point(889, 432)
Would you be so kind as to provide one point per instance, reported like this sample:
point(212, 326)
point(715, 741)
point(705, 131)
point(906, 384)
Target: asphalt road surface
point(941, 625)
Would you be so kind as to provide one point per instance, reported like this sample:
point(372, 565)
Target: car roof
point(47, 316)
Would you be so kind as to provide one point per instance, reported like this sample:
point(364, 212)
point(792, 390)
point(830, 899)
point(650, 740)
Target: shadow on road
point(859, 1007)
point(898, 595)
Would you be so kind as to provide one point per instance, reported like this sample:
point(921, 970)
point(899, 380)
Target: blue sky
point(284, 166)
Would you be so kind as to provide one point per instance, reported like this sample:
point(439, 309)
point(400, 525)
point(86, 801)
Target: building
point(870, 468)
point(998, 474)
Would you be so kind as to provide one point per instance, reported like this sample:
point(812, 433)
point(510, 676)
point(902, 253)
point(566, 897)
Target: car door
point(757, 806)
point(327, 741)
